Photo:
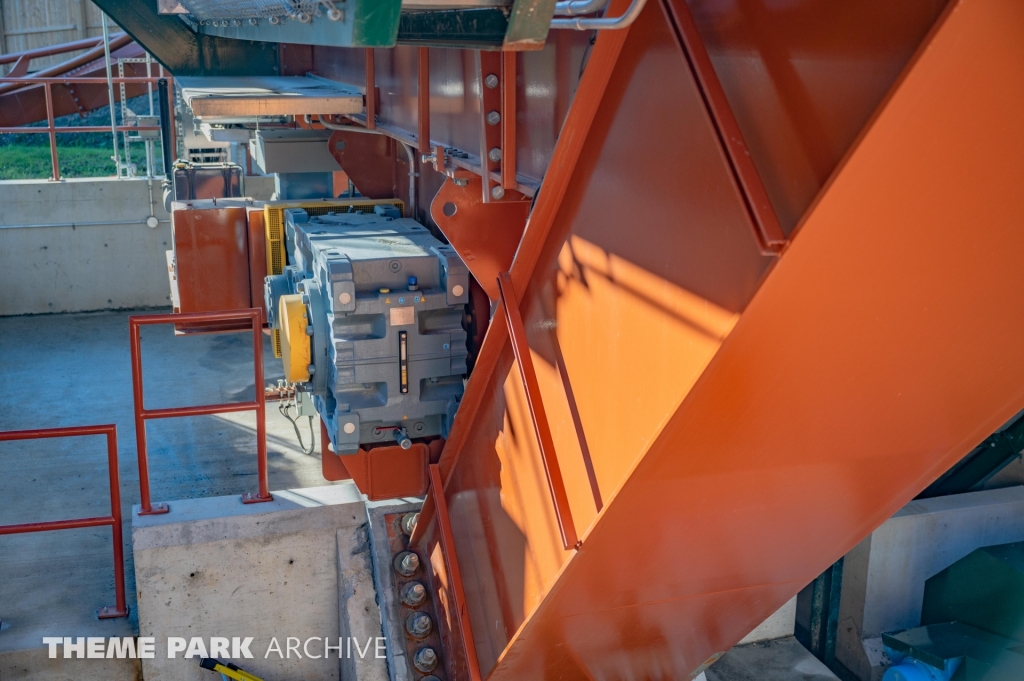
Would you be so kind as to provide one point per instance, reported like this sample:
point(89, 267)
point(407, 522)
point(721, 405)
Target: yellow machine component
point(273, 225)
point(295, 345)
point(227, 670)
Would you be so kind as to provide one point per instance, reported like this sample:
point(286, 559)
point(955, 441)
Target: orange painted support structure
point(749, 419)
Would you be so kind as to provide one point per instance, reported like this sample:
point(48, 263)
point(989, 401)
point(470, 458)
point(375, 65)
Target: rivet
point(457, 290)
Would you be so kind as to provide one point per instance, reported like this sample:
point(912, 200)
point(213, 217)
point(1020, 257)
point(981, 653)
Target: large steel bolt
point(407, 563)
point(418, 625)
point(413, 594)
point(409, 522)
point(491, 81)
point(494, 154)
point(494, 118)
point(498, 192)
point(425, 660)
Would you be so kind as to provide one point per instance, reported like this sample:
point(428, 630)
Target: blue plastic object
point(911, 669)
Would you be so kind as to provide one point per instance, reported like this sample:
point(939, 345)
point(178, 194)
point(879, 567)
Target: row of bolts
point(418, 624)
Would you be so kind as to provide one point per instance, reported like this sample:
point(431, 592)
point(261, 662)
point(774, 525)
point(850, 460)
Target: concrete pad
point(217, 567)
point(780, 624)
point(783, 659)
point(359, 616)
point(884, 575)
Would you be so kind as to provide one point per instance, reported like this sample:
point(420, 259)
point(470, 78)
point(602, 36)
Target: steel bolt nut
point(498, 192)
point(425, 660)
point(491, 81)
point(418, 625)
point(413, 594)
point(275, 20)
point(494, 154)
point(494, 118)
point(407, 563)
point(409, 522)
point(335, 14)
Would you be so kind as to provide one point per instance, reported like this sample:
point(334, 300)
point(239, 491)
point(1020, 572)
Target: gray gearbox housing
point(385, 300)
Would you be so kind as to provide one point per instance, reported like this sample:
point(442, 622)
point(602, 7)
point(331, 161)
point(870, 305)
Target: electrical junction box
point(383, 324)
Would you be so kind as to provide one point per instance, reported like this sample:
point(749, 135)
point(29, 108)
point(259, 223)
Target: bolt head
point(335, 14)
point(498, 192)
point(494, 118)
point(491, 81)
point(425, 660)
point(349, 428)
point(413, 594)
point(345, 298)
point(494, 154)
point(418, 625)
point(253, 21)
point(407, 563)
point(275, 21)
point(409, 522)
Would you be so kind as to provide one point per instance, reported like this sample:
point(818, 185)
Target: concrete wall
point(216, 567)
point(83, 244)
point(884, 576)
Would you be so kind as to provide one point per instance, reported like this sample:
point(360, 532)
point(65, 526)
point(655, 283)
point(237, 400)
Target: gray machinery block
point(384, 301)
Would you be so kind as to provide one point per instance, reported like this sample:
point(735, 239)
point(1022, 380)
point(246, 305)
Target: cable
point(282, 407)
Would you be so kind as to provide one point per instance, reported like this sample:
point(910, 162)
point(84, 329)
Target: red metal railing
point(51, 127)
point(255, 316)
point(120, 609)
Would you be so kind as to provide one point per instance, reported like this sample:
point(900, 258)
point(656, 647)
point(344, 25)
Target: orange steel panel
point(804, 77)
point(211, 257)
point(744, 434)
point(257, 257)
point(485, 252)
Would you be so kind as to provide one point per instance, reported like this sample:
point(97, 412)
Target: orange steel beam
point(552, 471)
point(508, 119)
point(766, 222)
point(864, 344)
point(371, 91)
point(873, 355)
point(451, 561)
point(423, 100)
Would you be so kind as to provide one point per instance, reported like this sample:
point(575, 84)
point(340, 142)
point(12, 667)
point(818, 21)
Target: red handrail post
point(120, 609)
point(255, 317)
point(51, 127)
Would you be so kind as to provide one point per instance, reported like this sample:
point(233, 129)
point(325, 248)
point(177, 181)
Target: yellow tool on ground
point(227, 670)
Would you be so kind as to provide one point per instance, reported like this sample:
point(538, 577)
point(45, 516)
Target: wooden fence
point(27, 24)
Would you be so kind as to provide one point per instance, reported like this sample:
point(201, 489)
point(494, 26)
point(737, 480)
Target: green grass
point(29, 162)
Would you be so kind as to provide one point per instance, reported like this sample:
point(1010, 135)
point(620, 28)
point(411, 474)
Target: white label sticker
point(402, 316)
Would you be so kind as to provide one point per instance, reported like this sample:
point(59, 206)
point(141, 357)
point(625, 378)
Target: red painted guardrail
point(120, 609)
point(135, 324)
